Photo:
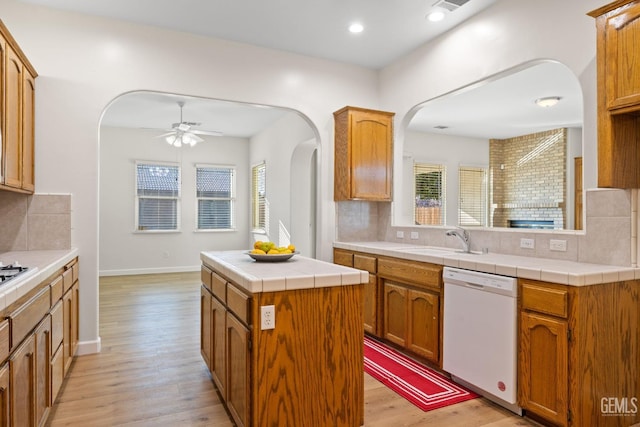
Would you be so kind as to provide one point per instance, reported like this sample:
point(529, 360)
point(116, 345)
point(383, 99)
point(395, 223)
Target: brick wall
point(528, 175)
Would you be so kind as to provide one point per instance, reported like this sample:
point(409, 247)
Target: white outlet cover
point(267, 317)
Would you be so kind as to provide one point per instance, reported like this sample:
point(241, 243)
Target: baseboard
point(88, 347)
point(158, 270)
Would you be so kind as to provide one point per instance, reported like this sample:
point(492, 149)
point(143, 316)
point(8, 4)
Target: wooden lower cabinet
point(205, 325)
point(22, 368)
point(412, 319)
point(44, 325)
point(5, 392)
point(238, 371)
point(543, 366)
point(371, 305)
point(265, 376)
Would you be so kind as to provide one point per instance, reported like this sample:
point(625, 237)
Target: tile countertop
point(42, 264)
point(298, 272)
point(548, 270)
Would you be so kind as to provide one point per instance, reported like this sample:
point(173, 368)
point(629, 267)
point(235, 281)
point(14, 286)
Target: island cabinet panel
point(205, 325)
point(307, 370)
point(371, 291)
point(579, 353)
point(316, 347)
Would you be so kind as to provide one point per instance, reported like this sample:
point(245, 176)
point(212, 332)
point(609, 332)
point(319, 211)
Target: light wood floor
point(150, 373)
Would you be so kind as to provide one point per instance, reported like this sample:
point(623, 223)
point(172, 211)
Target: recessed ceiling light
point(356, 27)
point(435, 16)
point(548, 101)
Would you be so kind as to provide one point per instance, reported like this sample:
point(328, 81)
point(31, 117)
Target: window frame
point(259, 223)
point(231, 199)
point(436, 167)
point(177, 198)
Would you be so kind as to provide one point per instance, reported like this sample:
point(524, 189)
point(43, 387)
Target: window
point(259, 204)
point(429, 194)
point(215, 192)
point(472, 206)
point(157, 196)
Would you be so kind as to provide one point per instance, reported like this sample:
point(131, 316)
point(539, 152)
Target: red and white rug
point(422, 386)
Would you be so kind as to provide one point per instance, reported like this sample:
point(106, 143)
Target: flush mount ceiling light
point(436, 15)
point(548, 101)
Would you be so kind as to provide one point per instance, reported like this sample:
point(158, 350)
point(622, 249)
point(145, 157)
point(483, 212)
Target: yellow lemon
point(273, 252)
point(292, 248)
point(258, 252)
point(257, 244)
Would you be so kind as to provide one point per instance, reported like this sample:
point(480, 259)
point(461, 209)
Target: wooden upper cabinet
point(618, 75)
point(363, 154)
point(17, 116)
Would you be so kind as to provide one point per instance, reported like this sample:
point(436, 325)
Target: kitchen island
point(307, 369)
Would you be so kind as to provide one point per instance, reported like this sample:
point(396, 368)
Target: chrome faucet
point(463, 235)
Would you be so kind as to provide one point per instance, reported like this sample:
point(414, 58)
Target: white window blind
point(429, 194)
point(472, 206)
point(157, 196)
point(215, 194)
point(259, 204)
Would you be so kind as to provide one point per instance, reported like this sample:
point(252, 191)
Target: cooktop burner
point(8, 272)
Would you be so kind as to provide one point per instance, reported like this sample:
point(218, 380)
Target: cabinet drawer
point(416, 273)
point(545, 299)
point(239, 303)
point(205, 277)
point(219, 287)
point(28, 315)
point(343, 258)
point(365, 262)
point(67, 280)
point(5, 343)
point(56, 290)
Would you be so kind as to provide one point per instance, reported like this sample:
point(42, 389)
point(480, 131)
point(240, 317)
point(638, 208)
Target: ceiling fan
point(181, 133)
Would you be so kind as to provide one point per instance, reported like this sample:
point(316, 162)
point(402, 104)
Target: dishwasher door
point(480, 334)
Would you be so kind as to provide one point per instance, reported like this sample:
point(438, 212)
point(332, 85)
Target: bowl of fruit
point(269, 252)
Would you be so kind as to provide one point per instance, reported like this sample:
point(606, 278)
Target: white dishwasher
point(480, 333)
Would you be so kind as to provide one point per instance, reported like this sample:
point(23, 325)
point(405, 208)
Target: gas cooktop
point(11, 271)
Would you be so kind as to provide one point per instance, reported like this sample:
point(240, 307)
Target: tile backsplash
point(610, 236)
point(34, 222)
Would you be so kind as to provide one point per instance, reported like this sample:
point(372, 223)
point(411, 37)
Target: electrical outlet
point(527, 243)
point(400, 234)
point(414, 235)
point(267, 317)
point(558, 245)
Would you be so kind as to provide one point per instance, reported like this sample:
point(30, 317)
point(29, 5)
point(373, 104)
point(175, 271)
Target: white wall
point(275, 147)
point(85, 62)
point(124, 251)
point(450, 151)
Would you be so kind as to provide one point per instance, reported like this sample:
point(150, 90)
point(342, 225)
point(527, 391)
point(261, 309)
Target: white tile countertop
point(298, 272)
point(548, 270)
point(42, 264)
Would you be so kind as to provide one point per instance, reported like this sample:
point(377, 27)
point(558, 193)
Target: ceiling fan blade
point(206, 132)
point(165, 134)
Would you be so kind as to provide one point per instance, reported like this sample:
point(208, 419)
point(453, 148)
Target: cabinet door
point(622, 44)
point(28, 136)
point(43, 374)
point(395, 313)
point(70, 318)
point(12, 141)
point(22, 366)
point(424, 324)
point(218, 345)
point(371, 138)
point(543, 365)
point(371, 305)
point(238, 376)
point(205, 325)
point(4, 395)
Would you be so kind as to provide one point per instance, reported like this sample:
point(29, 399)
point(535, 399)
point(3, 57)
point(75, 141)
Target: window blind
point(429, 194)
point(259, 204)
point(473, 202)
point(157, 194)
point(215, 193)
